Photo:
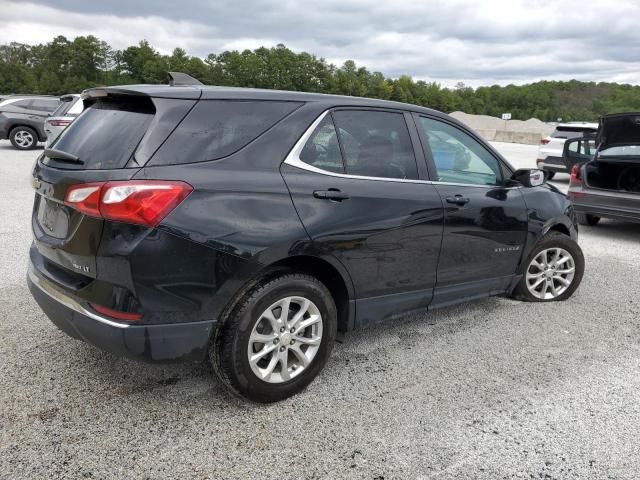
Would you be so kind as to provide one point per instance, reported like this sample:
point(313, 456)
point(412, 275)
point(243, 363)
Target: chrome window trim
point(293, 159)
point(69, 302)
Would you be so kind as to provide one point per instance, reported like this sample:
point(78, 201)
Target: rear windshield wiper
point(63, 156)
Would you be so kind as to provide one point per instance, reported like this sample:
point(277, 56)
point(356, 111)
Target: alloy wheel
point(285, 339)
point(550, 273)
point(24, 139)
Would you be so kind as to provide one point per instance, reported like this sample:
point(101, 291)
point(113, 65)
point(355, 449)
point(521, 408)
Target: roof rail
point(179, 78)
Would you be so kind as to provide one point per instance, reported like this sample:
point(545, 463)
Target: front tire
point(550, 174)
point(276, 339)
point(553, 271)
point(586, 219)
point(23, 138)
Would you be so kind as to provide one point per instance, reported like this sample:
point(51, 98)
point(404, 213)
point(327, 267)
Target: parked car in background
point(606, 182)
point(69, 108)
point(250, 226)
point(22, 119)
point(551, 147)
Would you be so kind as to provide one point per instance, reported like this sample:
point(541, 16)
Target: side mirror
point(529, 177)
point(578, 150)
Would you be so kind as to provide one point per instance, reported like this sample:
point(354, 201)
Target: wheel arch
point(341, 288)
point(334, 277)
point(559, 227)
point(41, 138)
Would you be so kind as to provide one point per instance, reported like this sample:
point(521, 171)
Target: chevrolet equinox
point(251, 227)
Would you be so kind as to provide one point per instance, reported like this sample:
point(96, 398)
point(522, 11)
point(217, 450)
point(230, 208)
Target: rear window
point(218, 128)
point(572, 132)
point(68, 106)
point(106, 134)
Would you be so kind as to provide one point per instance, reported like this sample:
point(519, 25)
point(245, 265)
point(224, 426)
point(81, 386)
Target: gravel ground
point(493, 389)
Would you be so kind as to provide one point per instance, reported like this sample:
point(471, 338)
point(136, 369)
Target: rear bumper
point(604, 212)
point(172, 342)
point(605, 204)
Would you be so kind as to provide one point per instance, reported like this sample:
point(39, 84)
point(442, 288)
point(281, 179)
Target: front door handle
point(331, 194)
point(457, 200)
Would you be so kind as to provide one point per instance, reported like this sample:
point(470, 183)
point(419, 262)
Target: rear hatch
point(111, 140)
point(612, 179)
point(617, 163)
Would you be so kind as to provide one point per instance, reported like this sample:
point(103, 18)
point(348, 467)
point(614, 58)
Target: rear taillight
point(85, 198)
point(59, 123)
point(575, 179)
point(143, 202)
point(545, 141)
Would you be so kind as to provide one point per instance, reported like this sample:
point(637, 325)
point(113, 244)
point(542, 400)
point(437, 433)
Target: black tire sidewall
point(588, 219)
point(232, 350)
point(24, 129)
point(553, 240)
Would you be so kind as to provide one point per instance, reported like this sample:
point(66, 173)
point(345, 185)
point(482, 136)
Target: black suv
point(251, 226)
point(22, 119)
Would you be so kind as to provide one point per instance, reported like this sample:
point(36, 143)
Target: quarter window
point(458, 157)
point(215, 129)
point(322, 149)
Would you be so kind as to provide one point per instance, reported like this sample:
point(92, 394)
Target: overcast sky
point(479, 42)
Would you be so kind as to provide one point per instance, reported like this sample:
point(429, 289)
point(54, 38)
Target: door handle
point(457, 200)
point(331, 194)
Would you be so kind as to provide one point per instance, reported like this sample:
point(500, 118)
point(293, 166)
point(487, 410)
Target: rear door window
point(106, 134)
point(376, 144)
point(26, 103)
point(44, 104)
point(215, 129)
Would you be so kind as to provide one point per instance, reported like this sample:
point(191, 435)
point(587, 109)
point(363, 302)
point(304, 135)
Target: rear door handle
point(331, 194)
point(457, 200)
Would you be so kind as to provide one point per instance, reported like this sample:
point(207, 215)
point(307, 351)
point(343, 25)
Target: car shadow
point(8, 146)
point(626, 231)
point(113, 377)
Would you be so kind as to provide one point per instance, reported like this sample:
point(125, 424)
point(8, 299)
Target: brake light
point(575, 179)
point(117, 314)
point(59, 123)
point(142, 202)
point(545, 141)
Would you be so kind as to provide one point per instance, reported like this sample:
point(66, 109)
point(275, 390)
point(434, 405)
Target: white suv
point(550, 149)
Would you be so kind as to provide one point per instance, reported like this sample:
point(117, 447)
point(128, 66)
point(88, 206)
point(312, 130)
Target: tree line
point(69, 66)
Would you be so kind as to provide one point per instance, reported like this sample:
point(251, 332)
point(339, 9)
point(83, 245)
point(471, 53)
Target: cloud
point(478, 42)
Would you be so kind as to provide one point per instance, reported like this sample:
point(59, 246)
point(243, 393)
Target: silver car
point(70, 107)
point(605, 181)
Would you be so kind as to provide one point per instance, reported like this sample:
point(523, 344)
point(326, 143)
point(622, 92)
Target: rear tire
point(23, 138)
point(295, 347)
point(553, 270)
point(586, 219)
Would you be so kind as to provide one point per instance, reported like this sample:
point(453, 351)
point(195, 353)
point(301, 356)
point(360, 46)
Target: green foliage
point(66, 66)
